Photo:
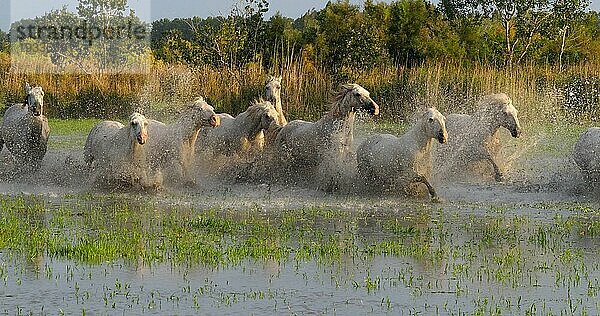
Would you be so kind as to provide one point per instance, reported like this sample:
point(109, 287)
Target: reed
point(539, 92)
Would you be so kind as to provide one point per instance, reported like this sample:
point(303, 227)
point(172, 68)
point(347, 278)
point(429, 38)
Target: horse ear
point(279, 78)
point(27, 87)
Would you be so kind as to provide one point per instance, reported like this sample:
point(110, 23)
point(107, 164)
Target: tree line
point(342, 36)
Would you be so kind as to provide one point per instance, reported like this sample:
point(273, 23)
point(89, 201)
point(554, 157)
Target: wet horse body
point(302, 146)
point(25, 131)
point(171, 147)
point(474, 138)
point(389, 163)
point(237, 135)
point(114, 154)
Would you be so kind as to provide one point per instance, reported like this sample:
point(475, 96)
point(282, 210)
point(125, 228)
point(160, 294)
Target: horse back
point(586, 152)
point(456, 123)
point(99, 138)
point(14, 118)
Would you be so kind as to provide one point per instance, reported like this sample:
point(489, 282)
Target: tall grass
point(540, 93)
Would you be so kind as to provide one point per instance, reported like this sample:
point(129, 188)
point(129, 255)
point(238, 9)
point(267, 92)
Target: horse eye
point(431, 120)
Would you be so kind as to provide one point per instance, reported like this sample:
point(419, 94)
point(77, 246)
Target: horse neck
point(340, 126)
point(185, 129)
point(488, 123)
point(422, 141)
point(279, 109)
point(134, 149)
point(247, 125)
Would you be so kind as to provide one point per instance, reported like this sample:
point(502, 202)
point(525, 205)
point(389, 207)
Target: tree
point(522, 21)
point(4, 42)
point(408, 18)
point(122, 33)
point(566, 14)
point(347, 40)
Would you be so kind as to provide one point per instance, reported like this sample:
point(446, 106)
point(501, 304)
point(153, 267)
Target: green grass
point(447, 250)
point(69, 134)
point(60, 127)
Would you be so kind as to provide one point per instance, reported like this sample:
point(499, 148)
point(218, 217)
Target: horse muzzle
point(142, 138)
point(373, 108)
point(442, 137)
point(215, 121)
point(516, 133)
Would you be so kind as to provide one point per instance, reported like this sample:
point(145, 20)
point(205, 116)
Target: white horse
point(172, 147)
point(235, 135)
point(474, 138)
point(389, 163)
point(273, 94)
point(114, 153)
point(587, 153)
point(25, 131)
point(301, 146)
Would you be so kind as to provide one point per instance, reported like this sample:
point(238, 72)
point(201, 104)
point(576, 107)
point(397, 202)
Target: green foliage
point(4, 42)
point(345, 38)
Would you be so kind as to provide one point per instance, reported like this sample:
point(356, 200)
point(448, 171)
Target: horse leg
point(498, 176)
point(186, 174)
point(432, 193)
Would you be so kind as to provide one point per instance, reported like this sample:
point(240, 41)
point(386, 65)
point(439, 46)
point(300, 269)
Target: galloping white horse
point(235, 135)
point(25, 131)
point(474, 137)
point(114, 153)
point(388, 163)
point(172, 147)
point(301, 146)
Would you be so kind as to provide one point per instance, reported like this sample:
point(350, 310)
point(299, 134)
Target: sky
point(150, 10)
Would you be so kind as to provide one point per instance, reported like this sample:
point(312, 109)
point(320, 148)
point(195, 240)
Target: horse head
point(203, 114)
point(510, 120)
point(35, 99)
point(269, 115)
point(435, 125)
point(263, 114)
point(138, 128)
point(273, 88)
point(353, 97)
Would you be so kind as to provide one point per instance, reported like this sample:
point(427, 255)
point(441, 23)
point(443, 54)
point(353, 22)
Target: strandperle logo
point(86, 32)
point(95, 37)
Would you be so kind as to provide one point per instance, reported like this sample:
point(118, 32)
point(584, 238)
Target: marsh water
point(528, 245)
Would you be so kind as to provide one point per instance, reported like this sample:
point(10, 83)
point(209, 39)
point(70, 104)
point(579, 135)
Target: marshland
point(232, 238)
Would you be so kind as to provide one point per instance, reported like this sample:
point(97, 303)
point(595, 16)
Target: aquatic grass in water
point(442, 259)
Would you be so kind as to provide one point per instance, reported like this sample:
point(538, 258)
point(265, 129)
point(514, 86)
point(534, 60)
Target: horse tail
point(88, 156)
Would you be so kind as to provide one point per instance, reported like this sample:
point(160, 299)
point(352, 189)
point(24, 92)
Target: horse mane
point(137, 115)
point(258, 107)
point(199, 100)
point(493, 104)
point(339, 106)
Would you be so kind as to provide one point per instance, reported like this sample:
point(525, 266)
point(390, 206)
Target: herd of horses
point(146, 152)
